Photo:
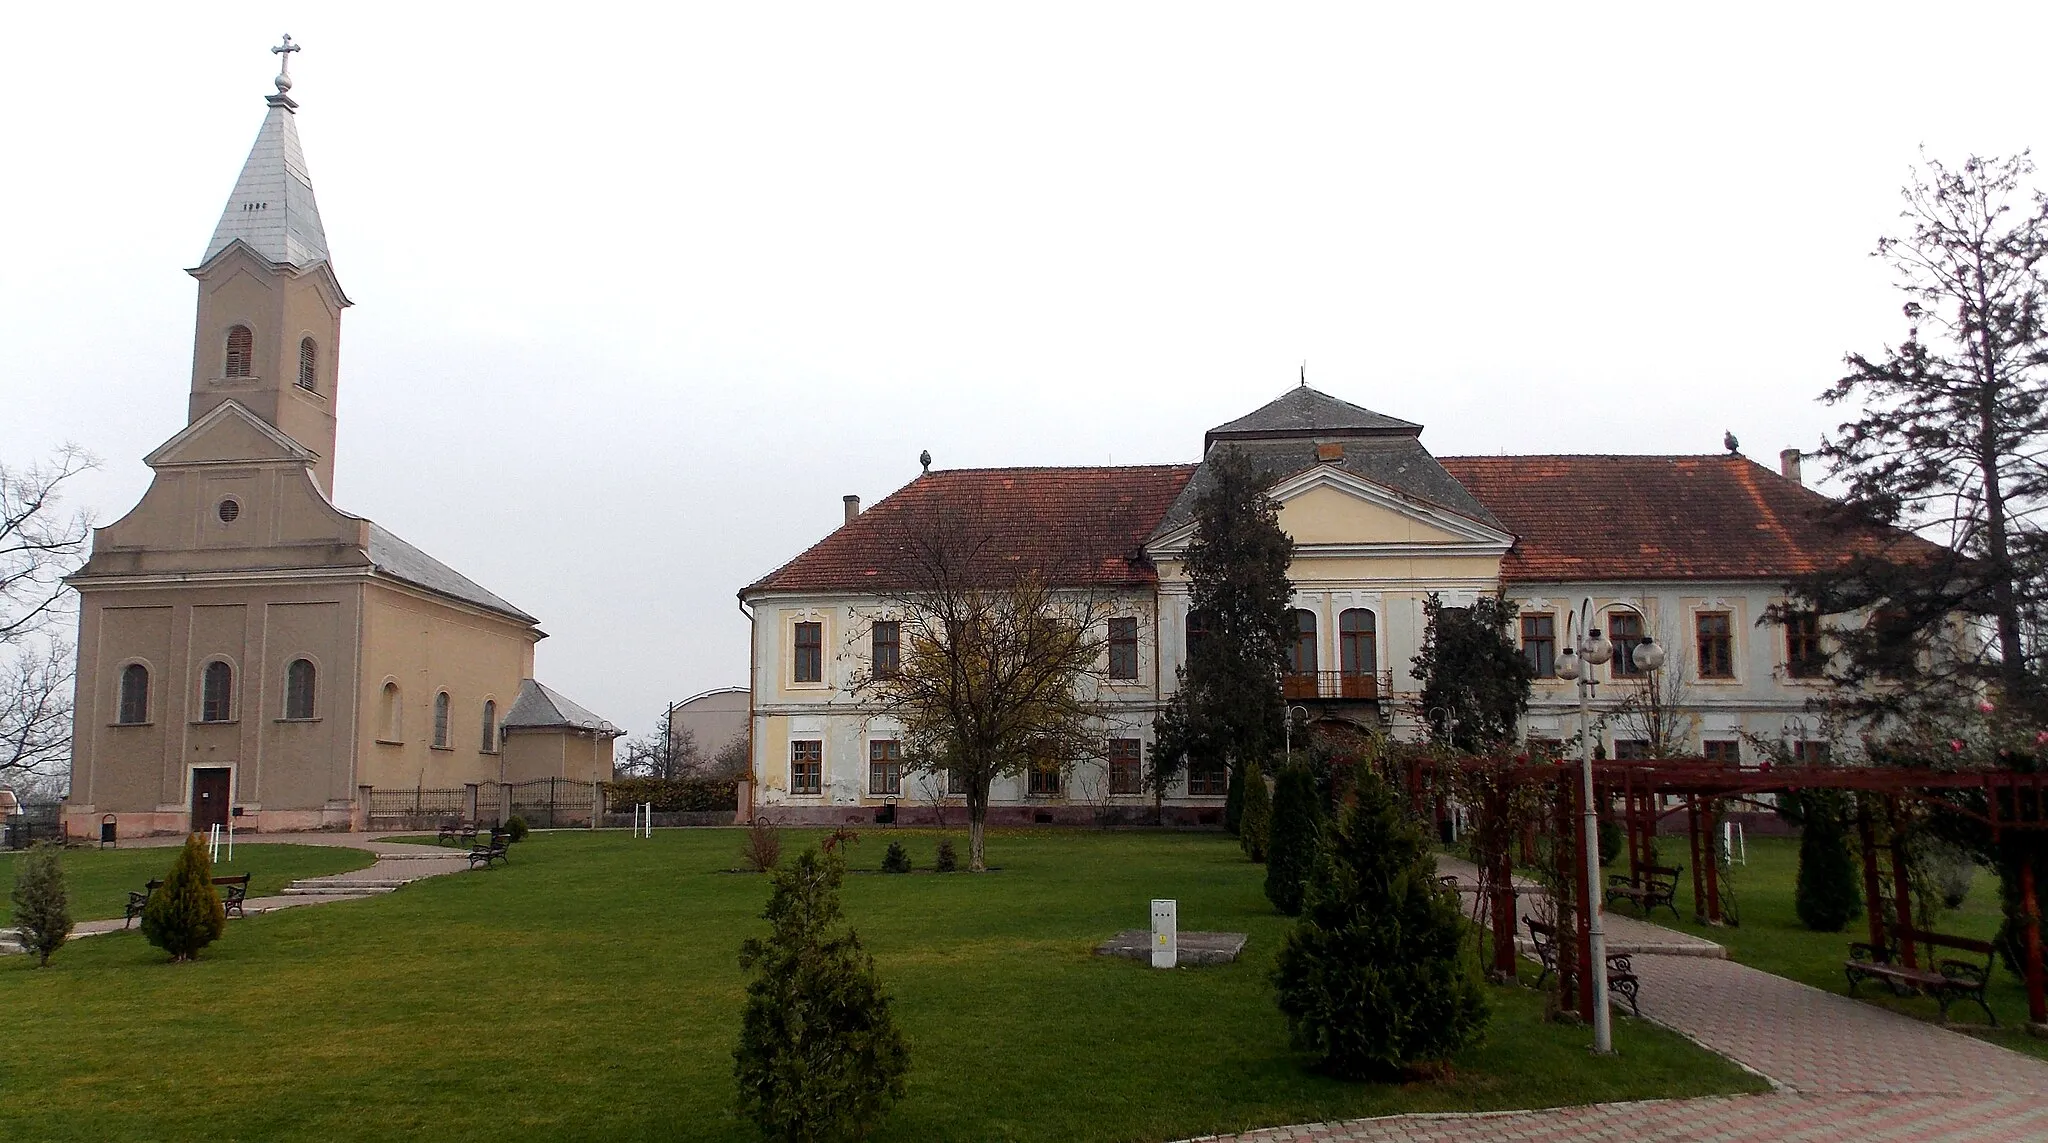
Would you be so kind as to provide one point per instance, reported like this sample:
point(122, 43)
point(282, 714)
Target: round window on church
point(228, 510)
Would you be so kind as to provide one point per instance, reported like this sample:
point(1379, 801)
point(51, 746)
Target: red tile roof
point(1658, 517)
point(1080, 526)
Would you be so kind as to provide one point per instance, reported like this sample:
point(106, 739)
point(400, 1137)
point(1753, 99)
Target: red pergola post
point(2037, 1004)
point(1712, 859)
point(1902, 887)
point(1872, 909)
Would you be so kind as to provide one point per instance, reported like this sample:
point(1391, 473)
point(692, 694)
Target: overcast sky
point(642, 291)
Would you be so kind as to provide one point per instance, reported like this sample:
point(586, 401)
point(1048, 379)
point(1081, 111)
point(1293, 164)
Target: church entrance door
point(210, 797)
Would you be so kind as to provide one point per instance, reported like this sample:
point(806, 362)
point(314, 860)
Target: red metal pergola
point(2004, 801)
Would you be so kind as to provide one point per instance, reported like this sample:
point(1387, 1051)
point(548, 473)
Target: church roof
point(272, 208)
point(1618, 517)
point(400, 560)
point(1080, 527)
point(1306, 412)
point(540, 707)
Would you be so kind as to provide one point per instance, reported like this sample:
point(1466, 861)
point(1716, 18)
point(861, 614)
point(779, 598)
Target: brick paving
point(1843, 1070)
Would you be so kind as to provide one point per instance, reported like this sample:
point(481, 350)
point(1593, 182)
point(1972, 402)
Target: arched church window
point(394, 725)
point(134, 694)
point(490, 727)
point(241, 349)
point(309, 364)
point(217, 693)
point(298, 689)
point(441, 719)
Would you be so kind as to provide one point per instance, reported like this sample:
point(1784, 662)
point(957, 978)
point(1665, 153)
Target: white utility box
point(1165, 933)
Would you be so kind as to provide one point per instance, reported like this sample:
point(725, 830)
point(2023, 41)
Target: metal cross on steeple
point(284, 52)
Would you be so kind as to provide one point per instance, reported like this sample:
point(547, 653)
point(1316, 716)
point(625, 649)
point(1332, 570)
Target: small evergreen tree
point(819, 1056)
point(184, 915)
point(896, 859)
point(1255, 827)
point(1293, 838)
point(42, 908)
point(1826, 895)
point(1373, 977)
point(947, 861)
point(1475, 680)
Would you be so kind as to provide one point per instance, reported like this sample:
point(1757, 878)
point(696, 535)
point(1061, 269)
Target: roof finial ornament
point(284, 52)
point(1304, 372)
point(925, 458)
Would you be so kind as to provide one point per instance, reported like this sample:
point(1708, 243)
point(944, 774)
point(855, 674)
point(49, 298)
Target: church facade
point(1687, 550)
point(248, 649)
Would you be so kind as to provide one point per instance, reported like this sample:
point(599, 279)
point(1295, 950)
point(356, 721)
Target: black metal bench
point(1656, 887)
point(1948, 981)
point(484, 853)
point(1621, 973)
point(456, 831)
point(233, 892)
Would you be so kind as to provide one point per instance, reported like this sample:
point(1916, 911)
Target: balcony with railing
point(1337, 686)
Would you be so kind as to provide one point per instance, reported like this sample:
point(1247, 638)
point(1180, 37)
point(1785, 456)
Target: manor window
point(1044, 779)
point(1207, 779)
point(217, 693)
point(887, 649)
point(810, 652)
point(298, 689)
point(1722, 750)
point(1715, 632)
point(1123, 650)
point(1200, 624)
point(241, 349)
point(1357, 643)
point(885, 767)
point(134, 707)
point(1625, 631)
point(1539, 644)
point(1803, 659)
point(806, 766)
point(1126, 771)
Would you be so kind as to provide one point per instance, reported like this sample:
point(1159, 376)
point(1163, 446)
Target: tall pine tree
point(1228, 708)
point(1475, 680)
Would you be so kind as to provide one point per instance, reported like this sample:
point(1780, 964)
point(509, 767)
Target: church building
point(246, 648)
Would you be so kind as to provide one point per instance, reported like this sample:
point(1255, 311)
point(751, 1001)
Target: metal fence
point(419, 808)
point(553, 803)
point(544, 803)
point(37, 821)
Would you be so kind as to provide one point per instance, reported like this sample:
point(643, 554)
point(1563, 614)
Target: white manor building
point(1688, 549)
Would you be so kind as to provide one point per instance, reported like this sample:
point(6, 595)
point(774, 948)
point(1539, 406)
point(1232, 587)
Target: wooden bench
point(1658, 886)
point(1948, 981)
point(233, 892)
point(484, 853)
point(1621, 973)
point(457, 831)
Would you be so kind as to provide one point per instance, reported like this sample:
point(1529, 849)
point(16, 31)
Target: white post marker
point(1165, 933)
point(231, 839)
point(213, 843)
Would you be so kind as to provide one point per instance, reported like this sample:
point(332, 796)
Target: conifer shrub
point(1826, 895)
point(42, 907)
point(1255, 827)
point(1293, 838)
point(516, 829)
point(819, 1057)
point(896, 859)
point(184, 915)
point(948, 861)
point(1610, 841)
point(1374, 977)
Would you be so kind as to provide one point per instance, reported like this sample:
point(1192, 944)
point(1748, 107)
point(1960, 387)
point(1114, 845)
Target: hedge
point(673, 795)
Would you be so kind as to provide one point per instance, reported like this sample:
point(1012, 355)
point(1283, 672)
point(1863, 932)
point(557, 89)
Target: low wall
point(955, 817)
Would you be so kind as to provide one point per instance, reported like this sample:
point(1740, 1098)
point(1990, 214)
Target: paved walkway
point(1843, 1070)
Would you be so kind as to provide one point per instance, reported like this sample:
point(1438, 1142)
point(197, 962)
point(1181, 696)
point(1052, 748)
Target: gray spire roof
point(540, 707)
point(1306, 412)
point(272, 207)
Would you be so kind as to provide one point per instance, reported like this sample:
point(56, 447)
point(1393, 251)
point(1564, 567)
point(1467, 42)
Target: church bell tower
point(269, 316)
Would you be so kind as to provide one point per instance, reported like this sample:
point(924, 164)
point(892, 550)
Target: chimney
point(1788, 465)
point(853, 505)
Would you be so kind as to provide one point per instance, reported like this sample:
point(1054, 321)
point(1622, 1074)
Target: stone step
point(10, 943)
point(356, 890)
point(345, 885)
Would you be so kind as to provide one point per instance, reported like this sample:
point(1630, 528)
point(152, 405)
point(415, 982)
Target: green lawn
point(591, 990)
point(99, 879)
point(1771, 938)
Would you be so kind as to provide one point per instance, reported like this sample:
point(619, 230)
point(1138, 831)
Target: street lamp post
point(1593, 649)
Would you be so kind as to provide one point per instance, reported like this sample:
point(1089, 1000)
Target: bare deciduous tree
point(40, 544)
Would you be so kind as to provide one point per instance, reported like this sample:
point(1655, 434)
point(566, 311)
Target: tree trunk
point(977, 820)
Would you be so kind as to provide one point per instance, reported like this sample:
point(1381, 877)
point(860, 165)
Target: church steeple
point(269, 320)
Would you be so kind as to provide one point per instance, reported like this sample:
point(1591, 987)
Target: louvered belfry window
point(309, 364)
point(241, 348)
